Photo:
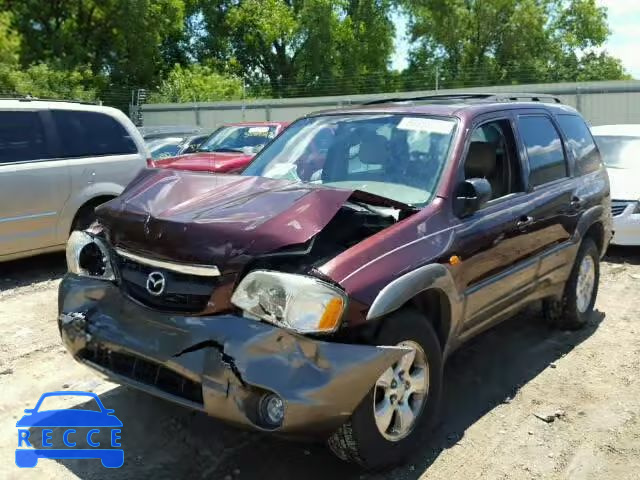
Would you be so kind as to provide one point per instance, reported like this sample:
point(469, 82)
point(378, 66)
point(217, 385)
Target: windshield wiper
point(375, 200)
point(227, 149)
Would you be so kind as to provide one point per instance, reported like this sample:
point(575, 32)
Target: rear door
point(554, 205)
point(34, 182)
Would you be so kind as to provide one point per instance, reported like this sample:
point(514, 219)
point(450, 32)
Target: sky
point(624, 42)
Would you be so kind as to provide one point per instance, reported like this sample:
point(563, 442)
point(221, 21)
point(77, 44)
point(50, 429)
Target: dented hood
point(216, 219)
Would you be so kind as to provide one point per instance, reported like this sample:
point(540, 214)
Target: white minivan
point(58, 161)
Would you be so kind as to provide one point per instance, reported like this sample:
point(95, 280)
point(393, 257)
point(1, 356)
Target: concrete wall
point(600, 102)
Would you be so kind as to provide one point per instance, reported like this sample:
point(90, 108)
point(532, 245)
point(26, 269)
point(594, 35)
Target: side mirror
point(471, 195)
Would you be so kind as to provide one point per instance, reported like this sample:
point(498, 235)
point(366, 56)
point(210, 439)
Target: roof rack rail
point(470, 97)
point(29, 98)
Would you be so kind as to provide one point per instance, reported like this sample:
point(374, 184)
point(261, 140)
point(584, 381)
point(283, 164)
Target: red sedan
point(227, 150)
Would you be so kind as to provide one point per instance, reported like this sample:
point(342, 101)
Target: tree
point(124, 39)
point(38, 80)
point(197, 84)
point(299, 47)
point(483, 42)
point(42, 81)
point(10, 41)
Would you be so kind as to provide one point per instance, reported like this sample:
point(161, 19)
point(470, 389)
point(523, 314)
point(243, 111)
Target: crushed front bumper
point(222, 365)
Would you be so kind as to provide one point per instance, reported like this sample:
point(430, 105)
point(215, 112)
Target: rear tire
point(360, 440)
point(575, 308)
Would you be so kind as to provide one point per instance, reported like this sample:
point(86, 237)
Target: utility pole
point(244, 96)
point(437, 77)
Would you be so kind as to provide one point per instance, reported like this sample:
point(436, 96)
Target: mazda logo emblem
point(156, 283)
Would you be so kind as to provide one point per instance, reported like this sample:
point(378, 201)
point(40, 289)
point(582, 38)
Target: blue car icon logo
point(66, 422)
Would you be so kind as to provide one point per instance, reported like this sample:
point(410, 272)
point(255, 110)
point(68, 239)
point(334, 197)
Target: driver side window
point(492, 155)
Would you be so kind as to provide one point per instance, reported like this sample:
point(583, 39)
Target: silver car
point(58, 161)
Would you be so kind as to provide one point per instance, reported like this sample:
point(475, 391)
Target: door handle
point(575, 202)
point(524, 222)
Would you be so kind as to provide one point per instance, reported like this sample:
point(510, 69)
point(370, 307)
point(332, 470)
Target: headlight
point(299, 302)
point(88, 256)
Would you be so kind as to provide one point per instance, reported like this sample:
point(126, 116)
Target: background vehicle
point(426, 222)
point(620, 147)
point(155, 132)
point(227, 150)
point(58, 161)
point(171, 146)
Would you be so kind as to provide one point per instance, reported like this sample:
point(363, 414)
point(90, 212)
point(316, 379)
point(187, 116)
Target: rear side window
point(581, 143)
point(544, 149)
point(89, 134)
point(22, 137)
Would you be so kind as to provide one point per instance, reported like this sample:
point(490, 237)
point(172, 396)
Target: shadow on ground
point(165, 441)
point(621, 255)
point(20, 273)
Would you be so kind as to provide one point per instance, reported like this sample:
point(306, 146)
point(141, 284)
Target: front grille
point(618, 207)
point(184, 293)
point(145, 371)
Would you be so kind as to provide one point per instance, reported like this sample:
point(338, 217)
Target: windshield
point(165, 147)
point(618, 151)
point(395, 156)
point(247, 139)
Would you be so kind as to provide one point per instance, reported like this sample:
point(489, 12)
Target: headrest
point(374, 149)
point(481, 160)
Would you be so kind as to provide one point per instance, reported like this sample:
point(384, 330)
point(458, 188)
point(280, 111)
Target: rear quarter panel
point(97, 177)
point(93, 177)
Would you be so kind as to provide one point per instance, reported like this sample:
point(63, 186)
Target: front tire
point(383, 430)
point(573, 311)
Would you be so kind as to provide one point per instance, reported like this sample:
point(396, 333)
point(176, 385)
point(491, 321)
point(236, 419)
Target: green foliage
point(45, 82)
point(197, 84)
point(122, 38)
point(9, 41)
point(301, 47)
point(485, 42)
point(197, 50)
point(38, 80)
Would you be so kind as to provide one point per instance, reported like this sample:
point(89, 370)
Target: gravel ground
point(498, 387)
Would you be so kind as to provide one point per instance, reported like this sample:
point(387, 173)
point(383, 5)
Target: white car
point(620, 149)
point(58, 161)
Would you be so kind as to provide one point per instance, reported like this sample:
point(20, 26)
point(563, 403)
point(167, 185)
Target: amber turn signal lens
point(331, 315)
point(454, 260)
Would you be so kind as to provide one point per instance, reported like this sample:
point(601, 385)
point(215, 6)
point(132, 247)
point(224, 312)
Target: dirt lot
point(495, 387)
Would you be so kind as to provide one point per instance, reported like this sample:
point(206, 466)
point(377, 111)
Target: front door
point(498, 267)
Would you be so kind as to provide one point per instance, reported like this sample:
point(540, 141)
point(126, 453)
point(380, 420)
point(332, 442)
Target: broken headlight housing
point(298, 302)
point(88, 256)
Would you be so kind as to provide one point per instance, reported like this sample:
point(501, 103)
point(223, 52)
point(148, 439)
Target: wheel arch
point(592, 225)
point(431, 291)
point(596, 233)
point(435, 305)
point(91, 203)
point(79, 199)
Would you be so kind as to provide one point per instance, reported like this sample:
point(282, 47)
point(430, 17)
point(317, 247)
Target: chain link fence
point(600, 103)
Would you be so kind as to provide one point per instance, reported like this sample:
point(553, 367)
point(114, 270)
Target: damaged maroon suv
point(320, 292)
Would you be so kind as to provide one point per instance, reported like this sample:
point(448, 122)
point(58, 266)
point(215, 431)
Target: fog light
point(272, 409)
